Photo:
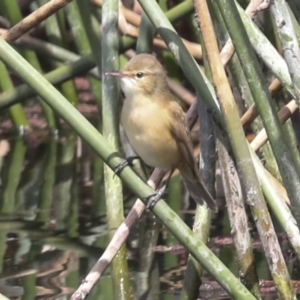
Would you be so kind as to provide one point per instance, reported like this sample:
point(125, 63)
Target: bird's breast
point(146, 124)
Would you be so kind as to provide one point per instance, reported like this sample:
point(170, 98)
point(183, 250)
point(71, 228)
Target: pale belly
point(148, 132)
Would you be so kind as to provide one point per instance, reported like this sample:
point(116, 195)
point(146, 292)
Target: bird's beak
point(115, 74)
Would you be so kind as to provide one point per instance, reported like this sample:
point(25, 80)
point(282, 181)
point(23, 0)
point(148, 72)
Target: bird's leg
point(154, 198)
point(124, 163)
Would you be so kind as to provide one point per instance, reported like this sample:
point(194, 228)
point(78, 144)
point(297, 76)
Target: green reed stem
point(111, 103)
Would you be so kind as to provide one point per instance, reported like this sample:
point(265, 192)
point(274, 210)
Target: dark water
point(53, 229)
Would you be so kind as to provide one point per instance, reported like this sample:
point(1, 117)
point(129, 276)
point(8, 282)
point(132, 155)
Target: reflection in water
point(53, 229)
point(42, 242)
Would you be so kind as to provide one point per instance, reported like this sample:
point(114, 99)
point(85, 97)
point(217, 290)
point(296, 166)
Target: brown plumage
point(156, 125)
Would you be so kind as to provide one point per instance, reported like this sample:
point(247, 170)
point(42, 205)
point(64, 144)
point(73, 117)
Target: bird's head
point(142, 75)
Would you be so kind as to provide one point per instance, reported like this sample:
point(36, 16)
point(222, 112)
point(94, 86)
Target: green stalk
point(11, 177)
point(98, 194)
point(56, 76)
point(174, 200)
point(104, 149)
point(294, 11)
point(177, 13)
point(30, 179)
point(278, 206)
point(64, 177)
point(56, 33)
point(149, 230)
point(105, 287)
point(16, 111)
point(266, 51)
point(241, 84)
point(87, 34)
point(30, 288)
point(146, 34)
point(111, 102)
point(73, 277)
point(73, 217)
point(46, 191)
point(46, 48)
point(80, 20)
point(287, 36)
point(290, 138)
point(15, 16)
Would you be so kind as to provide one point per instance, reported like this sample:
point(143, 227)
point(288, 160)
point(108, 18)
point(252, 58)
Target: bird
point(155, 123)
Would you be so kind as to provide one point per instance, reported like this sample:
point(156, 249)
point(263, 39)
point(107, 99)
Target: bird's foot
point(124, 163)
point(154, 198)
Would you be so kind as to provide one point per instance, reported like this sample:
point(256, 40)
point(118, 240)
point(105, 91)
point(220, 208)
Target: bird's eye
point(139, 75)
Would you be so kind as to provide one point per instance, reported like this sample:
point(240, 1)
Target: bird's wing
point(181, 134)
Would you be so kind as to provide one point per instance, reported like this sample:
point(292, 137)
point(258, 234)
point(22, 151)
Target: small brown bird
point(156, 125)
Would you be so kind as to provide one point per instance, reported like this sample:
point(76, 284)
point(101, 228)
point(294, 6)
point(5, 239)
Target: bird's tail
point(198, 190)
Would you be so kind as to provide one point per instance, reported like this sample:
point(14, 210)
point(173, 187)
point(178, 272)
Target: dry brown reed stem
point(252, 112)
point(34, 19)
point(135, 19)
point(129, 21)
point(181, 91)
point(284, 114)
point(228, 49)
point(249, 116)
point(136, 7)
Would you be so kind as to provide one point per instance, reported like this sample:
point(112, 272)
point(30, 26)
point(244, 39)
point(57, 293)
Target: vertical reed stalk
point(15, 16)
point(16, 111)
point(87, 39)
point(111, 102)
point(289, 42)
point(56, 32)
point(12, 176)
point(46, 190)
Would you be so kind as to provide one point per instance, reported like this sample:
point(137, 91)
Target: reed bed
point(234, 66)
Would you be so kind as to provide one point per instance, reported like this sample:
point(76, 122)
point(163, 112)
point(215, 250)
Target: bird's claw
point(124, 163)
point(155, 197)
